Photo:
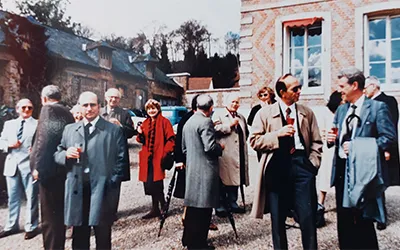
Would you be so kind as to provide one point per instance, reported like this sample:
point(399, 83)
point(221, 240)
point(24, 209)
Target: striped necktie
point(20, 130)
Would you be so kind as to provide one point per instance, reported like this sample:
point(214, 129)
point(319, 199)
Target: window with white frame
point(304, 54)
point(382, 48)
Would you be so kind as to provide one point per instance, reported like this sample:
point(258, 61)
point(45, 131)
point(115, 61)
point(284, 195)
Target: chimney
point(84, 47)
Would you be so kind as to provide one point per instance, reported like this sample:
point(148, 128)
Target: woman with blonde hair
point(267, 96)
point(158, 139)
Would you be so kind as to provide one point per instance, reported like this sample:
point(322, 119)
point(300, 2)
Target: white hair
point(373, 80)
point(110, 92)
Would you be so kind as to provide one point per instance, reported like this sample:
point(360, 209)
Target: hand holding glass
point(78, 147)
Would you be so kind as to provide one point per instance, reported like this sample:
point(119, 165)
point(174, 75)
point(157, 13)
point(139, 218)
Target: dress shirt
point(93, 127)
point(359, 103)
point(293, 114)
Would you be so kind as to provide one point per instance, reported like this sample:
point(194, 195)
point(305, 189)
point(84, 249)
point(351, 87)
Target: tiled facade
point(262, 45)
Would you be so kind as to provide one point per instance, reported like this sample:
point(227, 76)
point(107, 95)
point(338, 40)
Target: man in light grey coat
point(16, 140)
point(202, 174)
point(94, 174)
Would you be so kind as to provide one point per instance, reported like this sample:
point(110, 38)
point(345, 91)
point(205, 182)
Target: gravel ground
point(131, 232)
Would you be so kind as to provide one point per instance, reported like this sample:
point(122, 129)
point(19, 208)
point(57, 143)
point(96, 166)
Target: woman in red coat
point(158, 139)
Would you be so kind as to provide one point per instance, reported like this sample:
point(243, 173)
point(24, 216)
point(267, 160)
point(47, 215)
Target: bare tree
point(232, 41)
point(84, 31)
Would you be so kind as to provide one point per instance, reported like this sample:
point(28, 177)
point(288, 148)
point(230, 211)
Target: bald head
point(205, 103)
point(90, 105)
point(113, 97)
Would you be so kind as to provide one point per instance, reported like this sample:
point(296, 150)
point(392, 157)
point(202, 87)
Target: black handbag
point(168, 161)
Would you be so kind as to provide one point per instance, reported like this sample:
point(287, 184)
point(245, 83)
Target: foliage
point(225, 71)
point(232, 41)
point(84, 31)
point(27, 43)
point(135, 44)
point(192, 35)
point(49, 12)
point(164, 64)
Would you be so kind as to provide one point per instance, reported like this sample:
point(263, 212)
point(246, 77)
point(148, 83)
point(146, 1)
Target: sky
point(128, 17)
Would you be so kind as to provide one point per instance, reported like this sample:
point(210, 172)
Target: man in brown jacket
point(287, 135)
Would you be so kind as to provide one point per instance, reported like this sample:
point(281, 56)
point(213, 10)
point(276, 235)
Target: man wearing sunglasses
point(288, 136)
point(16, 140)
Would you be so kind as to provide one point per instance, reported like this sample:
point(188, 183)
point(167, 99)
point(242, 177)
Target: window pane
point(298, 73)
point(298, 60)
point(395, 23)
point(297, 37)
point(314, 35)
point(314, 77)
point(378, 70)
point(314, 56)
point(377, 29)
point(396, 50)
point(396, 73)
point(377, 51)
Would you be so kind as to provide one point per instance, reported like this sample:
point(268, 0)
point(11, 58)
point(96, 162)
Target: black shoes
point(238, 210)
point(320, 216)
point(381, 226)
point(221, 214)
point(7, 233)
point(31, 235)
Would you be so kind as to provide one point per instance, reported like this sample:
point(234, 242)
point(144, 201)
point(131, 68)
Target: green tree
point(49, 12)
point(164, 64)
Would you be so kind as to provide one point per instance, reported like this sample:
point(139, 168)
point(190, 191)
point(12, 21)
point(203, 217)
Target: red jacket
point(164, 143)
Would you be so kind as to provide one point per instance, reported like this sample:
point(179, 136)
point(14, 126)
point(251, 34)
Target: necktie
point(351, 125)
point(87, 129)
point(290, 121)
point(20, 130)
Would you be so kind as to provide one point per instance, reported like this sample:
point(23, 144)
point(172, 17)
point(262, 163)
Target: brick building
point(314, 39)
point(82, 64)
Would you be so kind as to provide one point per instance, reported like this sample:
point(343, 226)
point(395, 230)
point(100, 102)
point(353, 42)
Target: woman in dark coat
point(158, 139)
point(267, 97)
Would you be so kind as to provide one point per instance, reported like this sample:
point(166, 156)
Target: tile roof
point(69, 47)
point(198, 83)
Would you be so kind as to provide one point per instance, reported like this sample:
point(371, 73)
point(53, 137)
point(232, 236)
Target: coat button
point(75, 192)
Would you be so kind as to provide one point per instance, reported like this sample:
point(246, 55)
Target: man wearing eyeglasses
point(288, 136)
point(16, 140)
point(113, 113)
point(93, 152)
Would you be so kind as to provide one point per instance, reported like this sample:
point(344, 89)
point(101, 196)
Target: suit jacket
point(17, 158)
point(202, 171)
point(230, 162)
point(264, 138)
point(393, 163)
point(127, 126)
point(105, 156)
point(52, 120)
point(375, 122)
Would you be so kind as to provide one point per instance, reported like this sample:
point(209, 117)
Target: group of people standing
point(77, 160)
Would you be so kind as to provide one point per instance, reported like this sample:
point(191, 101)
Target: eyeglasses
point(27, 107)
point(297, 88)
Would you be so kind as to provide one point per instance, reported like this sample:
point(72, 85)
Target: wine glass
point(78, 147)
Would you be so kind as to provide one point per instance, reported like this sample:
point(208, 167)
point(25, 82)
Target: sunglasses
point(27, 107)
point(264, 95)
point(297, 88)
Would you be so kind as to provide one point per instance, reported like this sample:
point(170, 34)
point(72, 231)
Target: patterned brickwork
point(262, 62)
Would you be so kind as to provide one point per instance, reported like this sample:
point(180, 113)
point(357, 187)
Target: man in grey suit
point(355, 231)
point(16, 140)
point(202, 174)
point(53, 118)
point(94, 154)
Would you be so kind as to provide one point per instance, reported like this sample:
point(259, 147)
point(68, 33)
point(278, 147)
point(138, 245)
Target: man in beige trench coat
point(231, 129)
point(291, 155)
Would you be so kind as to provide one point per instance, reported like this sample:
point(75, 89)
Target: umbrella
point(229, 211)
point(168, 201)
point(242, 193)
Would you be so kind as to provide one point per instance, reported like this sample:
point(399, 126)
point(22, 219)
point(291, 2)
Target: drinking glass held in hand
point(74, 152)
point(332, 134)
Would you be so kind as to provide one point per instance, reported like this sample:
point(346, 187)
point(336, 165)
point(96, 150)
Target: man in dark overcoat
point(202, 174)
point(51, 176)
point(94, 153)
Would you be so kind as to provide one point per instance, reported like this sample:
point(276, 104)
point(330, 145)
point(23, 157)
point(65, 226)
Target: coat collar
point(100, 124)
point(301, 112)
point(365, 110)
